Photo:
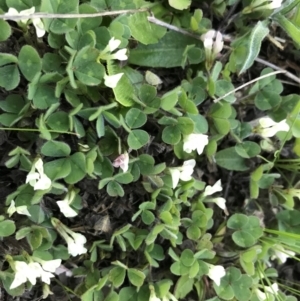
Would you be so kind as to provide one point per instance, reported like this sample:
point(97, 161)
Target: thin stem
point(36, 130)
point(70, 16)
point(249, 83)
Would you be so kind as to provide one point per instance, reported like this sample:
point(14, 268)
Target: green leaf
point(171, 135)
point(222, 87)
point(9, 77)
point(85, 67)
point(5, 31)
point(114, 189)
point(137, 138)
point(185, 125)
point(30, 62)
point(187, 257)
point(128, 294)
point(248, 149)
point(180, 4)
point(58, 169)
point(183, 286)
point(13, 103)
point(7, 228)
point(55, 149)
point(167, 53)
point(135, 118)
point(290, 28)
point(229, 159)
point(117, 276)
point(78, 168)
point(124, 91)
point(136, 277)
point(258, 33)
point(124, 178)
point(144, 31)
point(58, 121)
point(37, 214)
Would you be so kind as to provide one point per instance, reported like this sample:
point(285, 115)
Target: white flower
point(74, 240)
point(38, 180)
point(209, 190)
point(25, 271)
point(64, 205)
point(20, 209)
point(122, 161)
point(111, 81)
point(183, 173)
point(75, 244)
point(113, 44)
point(37, 22)
point(215, 273)
point(282, 254)
point(193, 142)
point(269, 128)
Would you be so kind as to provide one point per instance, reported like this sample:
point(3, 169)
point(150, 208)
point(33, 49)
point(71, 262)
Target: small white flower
point(282, 254)
point(20, 209)
point(119, 55)
point(215, 273)
point(195, 142)
point(38, 180)
point(122, 161)
point(213, 43)
point(75, 244)
point(269, 128)
point(74, 240)
point(111, 81)
point(209, 190)
point(183, 173)
point(37, 22)
point(25, 271)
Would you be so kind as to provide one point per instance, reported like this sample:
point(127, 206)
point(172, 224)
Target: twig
point(152, 19)
point(70, 16)
point(286, 73)
point(249, 83)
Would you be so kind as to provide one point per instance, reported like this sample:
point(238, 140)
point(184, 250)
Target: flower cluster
point(111, 81)
point(74, 240)
point(33, 270)
point(210, 190)
point(269, 128)
point(37, 22)
point(216, 273)
point(213, 44)
point(20, 209)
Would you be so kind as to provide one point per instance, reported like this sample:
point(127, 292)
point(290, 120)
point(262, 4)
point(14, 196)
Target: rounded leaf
point(55, 149)
point(30, 62)
point(171, 135)
point(5, 31)
point(135, 118)
point(137, 138)
point(7, 228)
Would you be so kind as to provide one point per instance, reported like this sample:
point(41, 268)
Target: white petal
point(23, 210)
point(175, 174)
point(34, 272)
point(209, 190)
point(120, 55)
point(18, 280)
point(39, 166)
point(43, 183)
point(51, 265)
point(32, 177)
point(46, 277)
point(79, 238)
point(261, 295)
point(273, 289)
point(29, 11)
point(11, 209)
point(113, 44)
point(12, 12)
point(65, 209)
point(111, 81)
point(39, 27)
point(221, 202)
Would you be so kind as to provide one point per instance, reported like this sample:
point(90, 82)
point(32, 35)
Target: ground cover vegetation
point(149, 150)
